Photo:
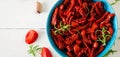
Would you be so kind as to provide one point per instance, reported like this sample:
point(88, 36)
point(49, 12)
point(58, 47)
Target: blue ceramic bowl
point(107, 7)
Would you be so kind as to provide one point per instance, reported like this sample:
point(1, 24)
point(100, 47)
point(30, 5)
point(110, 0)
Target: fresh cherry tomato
point(31, 37)
point(46, 52)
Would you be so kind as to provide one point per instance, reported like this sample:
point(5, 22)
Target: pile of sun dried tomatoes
point(81, 28)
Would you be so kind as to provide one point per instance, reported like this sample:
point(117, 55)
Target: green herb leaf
point(118, 37)
point(109, 52)
point(115, 2)
point(62, 28)
point(104, 34)
point(88, 11)
point(33, 50)
point(78, 31)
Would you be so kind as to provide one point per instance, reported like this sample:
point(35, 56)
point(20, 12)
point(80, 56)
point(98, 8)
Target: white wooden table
point(18, 16)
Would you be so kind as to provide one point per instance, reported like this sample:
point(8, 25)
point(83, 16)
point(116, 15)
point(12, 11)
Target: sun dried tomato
point(85, 19)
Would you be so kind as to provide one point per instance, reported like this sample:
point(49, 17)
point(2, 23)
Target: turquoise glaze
point(107, 7)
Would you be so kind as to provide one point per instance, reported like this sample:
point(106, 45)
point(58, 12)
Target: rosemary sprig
point(109, 52)
point(104, 34)
point(62, 28)
point(115, 2)
point(33, 50)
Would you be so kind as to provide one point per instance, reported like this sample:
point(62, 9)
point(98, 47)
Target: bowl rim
point(110, 42)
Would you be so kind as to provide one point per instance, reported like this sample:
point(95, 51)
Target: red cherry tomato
point(31, 37)
point(46, 52)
